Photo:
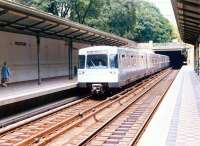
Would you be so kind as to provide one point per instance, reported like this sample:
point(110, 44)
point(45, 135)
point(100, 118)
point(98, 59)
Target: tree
point(137, 20)
point(122, 18)
point(59, 7)
point(76, 10)
point(151, 24)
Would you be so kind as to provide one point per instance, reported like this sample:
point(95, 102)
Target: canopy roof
point(187, 14)
point(25, 20)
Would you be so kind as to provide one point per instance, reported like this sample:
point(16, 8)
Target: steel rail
point(88, 112)
point(41, 139)
point(85, 141)
point(32, 119)
point(99, 108)
point(147, 121)
point(27, 114)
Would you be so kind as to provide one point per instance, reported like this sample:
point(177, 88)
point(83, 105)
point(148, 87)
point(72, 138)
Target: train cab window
point(113, 61)
point(81, 61)
point(97, 61)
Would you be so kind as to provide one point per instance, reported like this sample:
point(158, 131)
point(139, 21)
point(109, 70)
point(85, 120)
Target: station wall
point(20, 52)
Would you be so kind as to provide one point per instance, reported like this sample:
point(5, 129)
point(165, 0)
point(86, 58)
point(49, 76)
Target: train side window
point(135, 60)
point(81, 61)
point(142, 60)
point(113, 61)
point(123, 56)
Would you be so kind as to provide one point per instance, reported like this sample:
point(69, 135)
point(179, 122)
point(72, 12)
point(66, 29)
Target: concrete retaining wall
point(20, 51)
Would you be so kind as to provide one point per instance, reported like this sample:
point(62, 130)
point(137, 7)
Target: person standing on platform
point(5, 74)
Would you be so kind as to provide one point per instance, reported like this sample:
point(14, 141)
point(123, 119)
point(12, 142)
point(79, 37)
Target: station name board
point(97, 52)
point(20, 43)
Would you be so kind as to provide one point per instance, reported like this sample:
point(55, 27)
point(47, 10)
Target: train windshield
point(97, 61)
point(81, 61)
point(113, 61)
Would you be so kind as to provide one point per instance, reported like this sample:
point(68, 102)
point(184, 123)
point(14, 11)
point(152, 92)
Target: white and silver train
point(106, 67)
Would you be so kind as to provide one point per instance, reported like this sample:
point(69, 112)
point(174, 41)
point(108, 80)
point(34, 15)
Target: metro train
point(102, 68)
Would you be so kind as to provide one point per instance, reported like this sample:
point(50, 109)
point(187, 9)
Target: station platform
point(177, 120)
point(22, 91)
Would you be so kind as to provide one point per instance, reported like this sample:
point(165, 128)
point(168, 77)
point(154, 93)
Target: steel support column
point(194, 57)
point(197, 45)
point(38, 59)
point(70, 48)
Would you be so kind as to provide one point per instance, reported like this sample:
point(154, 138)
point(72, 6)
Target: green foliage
point(137, 20)
point(151, 24)
point(122, 17)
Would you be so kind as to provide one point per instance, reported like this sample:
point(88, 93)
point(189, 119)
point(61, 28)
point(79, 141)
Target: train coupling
point(97, 89)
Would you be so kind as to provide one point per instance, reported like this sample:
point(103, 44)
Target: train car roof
point(114, 49)
point(98, 48)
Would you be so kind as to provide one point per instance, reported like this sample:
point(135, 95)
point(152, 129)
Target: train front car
point(98, 68)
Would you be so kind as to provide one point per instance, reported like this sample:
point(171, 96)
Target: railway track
point(125, 127)
point(79, 117)
point(10, 120)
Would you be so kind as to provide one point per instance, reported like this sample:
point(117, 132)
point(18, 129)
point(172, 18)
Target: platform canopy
point(25, 20)
point(187, 14)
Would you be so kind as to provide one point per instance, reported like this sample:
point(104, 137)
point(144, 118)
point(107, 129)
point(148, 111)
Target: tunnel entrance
point(177, 58)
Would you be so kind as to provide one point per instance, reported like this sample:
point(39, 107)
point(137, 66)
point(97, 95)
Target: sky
point(166, 9)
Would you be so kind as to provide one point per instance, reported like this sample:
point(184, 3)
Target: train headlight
point(81, 72)
point(113, 72)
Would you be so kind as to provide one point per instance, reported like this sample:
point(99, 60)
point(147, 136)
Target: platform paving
point(177, 121)
point(26, 90)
